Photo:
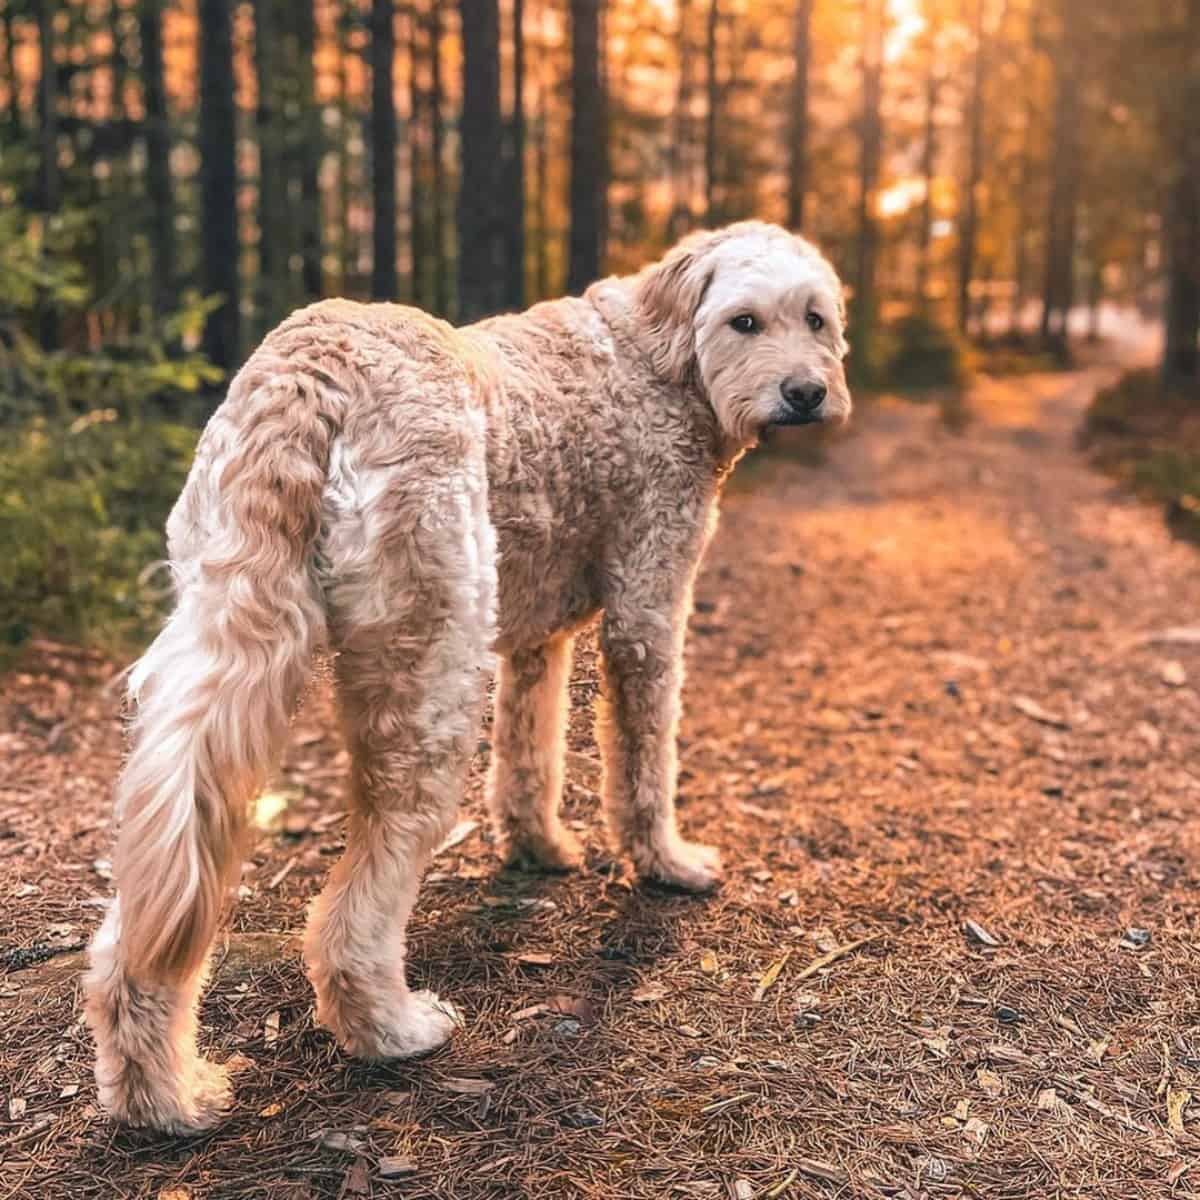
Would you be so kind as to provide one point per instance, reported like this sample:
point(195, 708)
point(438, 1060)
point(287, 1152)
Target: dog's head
point(756, 316)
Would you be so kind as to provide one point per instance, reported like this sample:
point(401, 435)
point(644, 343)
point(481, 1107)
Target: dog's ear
point(669, 294)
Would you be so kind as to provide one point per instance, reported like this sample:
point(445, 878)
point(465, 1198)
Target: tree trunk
point(969, 223)
point(1059, 287)
point(49, 180)
point(157, 139)
point(272, 289)
point(481, 220)
point(541, 166)
point(870, 152)
point(712, 90)
point(588, 147)
point(798, 126)
point(311, 153)
point(515, 292)
point(219, 246)
point(10, 65)
point(679, 164)
point(347, 242)
point(441, 279)
point(1181, 225)
point(933, 86)
point(1016, 316)
point(383, 150)
point(417, 240)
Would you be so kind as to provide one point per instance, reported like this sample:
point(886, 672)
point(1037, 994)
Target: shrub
point(82, 510)
point(927, 353)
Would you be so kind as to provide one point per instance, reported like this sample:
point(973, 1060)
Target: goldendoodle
point(421, 500)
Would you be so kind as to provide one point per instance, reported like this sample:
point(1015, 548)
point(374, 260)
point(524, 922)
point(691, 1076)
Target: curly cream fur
point(422, 499)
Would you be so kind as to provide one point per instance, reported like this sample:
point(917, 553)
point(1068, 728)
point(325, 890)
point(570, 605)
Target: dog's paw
point(560, 851)
point(686, 865)
point(422, 1023)
point(184, 1103)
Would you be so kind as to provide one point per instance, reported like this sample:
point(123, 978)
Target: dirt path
point(916, 699)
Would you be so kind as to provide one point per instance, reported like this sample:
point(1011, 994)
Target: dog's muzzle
point(801, 403)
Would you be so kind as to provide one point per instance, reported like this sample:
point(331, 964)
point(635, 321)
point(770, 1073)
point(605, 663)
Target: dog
point(429, 504)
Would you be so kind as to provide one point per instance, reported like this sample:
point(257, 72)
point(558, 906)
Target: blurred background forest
point(176, 175)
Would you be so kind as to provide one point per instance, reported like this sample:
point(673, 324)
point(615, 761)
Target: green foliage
point(90, 457)
point(82, 509)
point(927, 352)
point(1149, 435)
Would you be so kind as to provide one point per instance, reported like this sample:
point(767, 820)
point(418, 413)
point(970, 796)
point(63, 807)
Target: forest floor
point(941, 720)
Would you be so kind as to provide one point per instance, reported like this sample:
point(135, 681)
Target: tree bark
point(870, 152)
point(441, 279)
point(218, 183)
point(383, 150)
point(417, 225)
point(969, 224)
point(712, 91)
point(1058, 292)
point(49, 179)
point(157, 139)
point(679, 162)
point(515, 292)
point(311, 152)
point(933, 85)
point(1181, 225)
point(798, 125)
point(481, 225)
point(272, 283)
point(588, 147)
point(10, 65)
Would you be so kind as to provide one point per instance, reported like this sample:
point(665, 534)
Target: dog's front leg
point(528, 744)
point(641, 642)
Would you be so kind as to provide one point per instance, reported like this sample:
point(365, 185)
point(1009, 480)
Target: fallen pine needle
point(783, 1183)
point(720, 1105)
point(837, 952)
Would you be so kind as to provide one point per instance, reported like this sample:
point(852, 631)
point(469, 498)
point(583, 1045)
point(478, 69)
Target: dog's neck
point(613, 299)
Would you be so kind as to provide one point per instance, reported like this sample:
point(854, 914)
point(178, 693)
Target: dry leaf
point(770, 975)
point(977, 933)
point(962, 1110)
point(743, 1189)
point(459, 833)
point(272, 1110)
point(1177, 1102)
point(357, 1183)
point(976, 1130)
point(16, 1108)
point(989, 1081)
point(708, 963)
point(271, 1028)
point(1096, 1049)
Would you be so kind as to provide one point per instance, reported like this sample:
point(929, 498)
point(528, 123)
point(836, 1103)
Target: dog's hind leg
point(411, 609)
point(528, 745)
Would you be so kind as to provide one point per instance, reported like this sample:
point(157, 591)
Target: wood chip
point(1033, 710)
point(466, 1087)
point(1177, 1102)
point(977, 933)
point(817, 1169)
point(283, 872)
point(271, 1028)
point(392, 1166)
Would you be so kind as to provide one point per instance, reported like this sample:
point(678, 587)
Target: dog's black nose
point(803, 397)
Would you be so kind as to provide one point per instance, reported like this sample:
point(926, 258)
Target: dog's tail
point(214, 692)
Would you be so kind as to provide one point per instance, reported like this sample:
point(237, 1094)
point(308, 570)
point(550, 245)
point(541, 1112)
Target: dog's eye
point(744, 323)
point(815, 321)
